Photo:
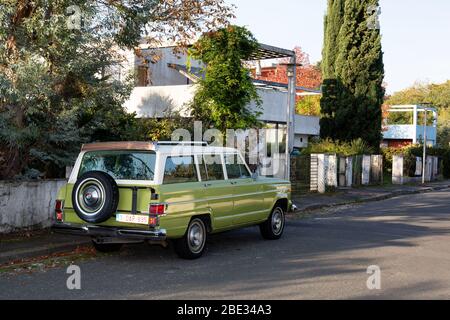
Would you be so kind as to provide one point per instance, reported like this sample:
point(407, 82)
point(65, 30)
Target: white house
point(401, 134)
point(164, 84)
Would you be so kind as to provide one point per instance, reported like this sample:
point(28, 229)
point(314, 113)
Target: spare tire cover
point(95, 196)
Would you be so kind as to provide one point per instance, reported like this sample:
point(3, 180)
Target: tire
point(107, 247)
point(95, 197)
point(193, 244)
point(272, 228)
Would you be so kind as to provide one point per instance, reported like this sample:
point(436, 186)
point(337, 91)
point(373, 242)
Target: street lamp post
point(424, 159)
point(291, 74)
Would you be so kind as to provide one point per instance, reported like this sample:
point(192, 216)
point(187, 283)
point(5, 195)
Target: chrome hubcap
point(277, 221)
point(91, 196)
point(196, 237)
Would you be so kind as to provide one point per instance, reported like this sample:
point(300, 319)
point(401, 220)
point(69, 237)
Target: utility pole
point(424, 159)
point(290, 111)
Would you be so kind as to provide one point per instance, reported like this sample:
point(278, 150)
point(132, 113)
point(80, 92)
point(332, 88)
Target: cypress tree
point(332, 25)
point(354, 72)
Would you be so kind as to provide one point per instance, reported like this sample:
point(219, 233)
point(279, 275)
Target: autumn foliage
point(308, 75)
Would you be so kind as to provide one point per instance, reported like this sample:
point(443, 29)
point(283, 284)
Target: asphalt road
point(322, 257)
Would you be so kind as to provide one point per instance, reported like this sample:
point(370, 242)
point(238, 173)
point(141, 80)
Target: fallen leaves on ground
point(55, 260)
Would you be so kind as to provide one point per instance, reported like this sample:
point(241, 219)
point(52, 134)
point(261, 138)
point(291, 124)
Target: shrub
point(355, 147)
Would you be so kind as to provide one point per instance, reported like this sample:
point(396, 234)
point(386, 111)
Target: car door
point(248, 200)
point(182, 192)
point(217, 190)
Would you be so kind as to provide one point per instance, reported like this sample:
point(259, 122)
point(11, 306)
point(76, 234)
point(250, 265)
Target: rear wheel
point(107, 247)
point(192, 245)
point(272, 228)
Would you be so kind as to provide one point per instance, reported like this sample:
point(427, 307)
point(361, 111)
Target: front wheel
point(272, 228)
point(193, 243)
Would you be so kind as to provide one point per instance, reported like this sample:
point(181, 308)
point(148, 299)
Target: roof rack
point(184, 143)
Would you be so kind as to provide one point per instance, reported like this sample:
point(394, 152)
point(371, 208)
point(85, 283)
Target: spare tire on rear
point(95, 197)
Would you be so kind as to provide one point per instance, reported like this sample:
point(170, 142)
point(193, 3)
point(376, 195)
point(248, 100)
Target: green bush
point(355, 147)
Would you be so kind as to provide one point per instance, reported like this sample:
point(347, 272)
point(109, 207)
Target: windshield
point(121, 165)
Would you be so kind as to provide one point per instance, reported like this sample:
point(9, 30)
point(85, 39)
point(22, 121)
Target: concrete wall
point(410, 132)
point(307, 125)
point(159, 73)
point(149, 102)
point(27, 204)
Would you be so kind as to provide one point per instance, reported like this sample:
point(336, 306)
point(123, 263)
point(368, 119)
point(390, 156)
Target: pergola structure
point(266, 52)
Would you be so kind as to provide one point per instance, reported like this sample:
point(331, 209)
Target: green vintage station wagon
point(129, 192)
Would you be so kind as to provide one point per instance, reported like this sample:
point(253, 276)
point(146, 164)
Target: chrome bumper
point(110, 232)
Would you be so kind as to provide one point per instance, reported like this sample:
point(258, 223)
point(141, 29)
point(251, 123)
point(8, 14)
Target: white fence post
point(428, 169)
point(365, 179)
point(314, 178)
point(435, 168)
point(321, 172)
point(397, 169)
point(332, 170)
point(349, 171)
point(418, 167)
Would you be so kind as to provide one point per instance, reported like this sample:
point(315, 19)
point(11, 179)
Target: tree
point(57, 84)
point(353, 73)
point(332, 24)
point(308, 106)
point(223, 97)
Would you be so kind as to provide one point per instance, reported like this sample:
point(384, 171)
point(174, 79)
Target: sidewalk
point(315, 201)
point(13, 248)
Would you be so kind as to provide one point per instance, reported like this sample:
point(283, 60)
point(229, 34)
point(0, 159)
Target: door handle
point(233, 183)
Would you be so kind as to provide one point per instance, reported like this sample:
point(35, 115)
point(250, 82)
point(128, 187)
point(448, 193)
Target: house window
point(142, 76)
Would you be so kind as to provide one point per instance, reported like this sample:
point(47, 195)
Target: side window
point(214, 167)
point(236, 169)
point(180, 170)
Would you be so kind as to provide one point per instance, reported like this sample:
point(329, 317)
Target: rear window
point(121, 165)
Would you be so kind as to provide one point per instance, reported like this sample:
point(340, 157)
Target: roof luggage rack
point(183, 143)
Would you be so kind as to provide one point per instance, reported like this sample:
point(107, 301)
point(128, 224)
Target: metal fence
point(303, 173)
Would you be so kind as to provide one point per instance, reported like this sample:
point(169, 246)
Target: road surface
point(325, 256)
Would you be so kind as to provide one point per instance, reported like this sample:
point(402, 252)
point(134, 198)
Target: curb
point(316, 207)
point(48, 249)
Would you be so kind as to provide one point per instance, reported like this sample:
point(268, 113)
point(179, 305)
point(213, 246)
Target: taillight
point(157, 208)
point(59, 210)
point(153, 221)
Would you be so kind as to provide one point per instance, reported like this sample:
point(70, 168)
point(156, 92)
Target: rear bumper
point(97, 231)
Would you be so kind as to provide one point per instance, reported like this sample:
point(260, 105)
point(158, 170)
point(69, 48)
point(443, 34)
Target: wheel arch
point(283, 203)
point(206, 218)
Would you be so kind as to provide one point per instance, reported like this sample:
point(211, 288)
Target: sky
point(415, 34)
